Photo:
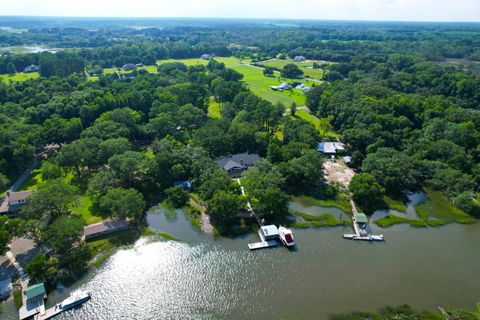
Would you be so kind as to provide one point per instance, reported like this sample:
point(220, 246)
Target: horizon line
point(243, 18)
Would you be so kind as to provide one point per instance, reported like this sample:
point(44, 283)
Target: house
point(238, 163)
point(14, 201)
point(128, 76)
point(184, 184)
point(129, 67)
point(104, 228)
point(32, 68)
point(282, 87)
point(360, 219)
point(330, 148)
point(206, 56)
point(299, 58)
point(139, 65)
point(303, 87)
point(269, 232)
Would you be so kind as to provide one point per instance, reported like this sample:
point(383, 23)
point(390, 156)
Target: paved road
point(24, 176)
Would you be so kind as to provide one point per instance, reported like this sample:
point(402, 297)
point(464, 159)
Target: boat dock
point(262, 245)
point(360, 226)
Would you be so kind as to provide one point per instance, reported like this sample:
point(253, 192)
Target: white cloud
point(410, 10)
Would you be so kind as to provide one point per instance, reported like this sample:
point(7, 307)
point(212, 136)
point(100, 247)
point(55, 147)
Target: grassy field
point(322, 125)
point(19, 77)
point(81, 208)
point(214, 109)
point(304, 66)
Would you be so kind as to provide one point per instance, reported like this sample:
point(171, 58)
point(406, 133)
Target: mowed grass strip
point(19, 77)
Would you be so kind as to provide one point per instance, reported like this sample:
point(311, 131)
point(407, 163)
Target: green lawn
point(82, 208)
point(214, 109)
point(187, 62)
point(322, 125)
point(308, 72)
point(19, 77)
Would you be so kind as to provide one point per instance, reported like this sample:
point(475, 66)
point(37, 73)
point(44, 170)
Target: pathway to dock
point(249, 206)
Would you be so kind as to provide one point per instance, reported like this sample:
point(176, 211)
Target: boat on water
point(286, 235)
point(377, 237)
point(76, 298)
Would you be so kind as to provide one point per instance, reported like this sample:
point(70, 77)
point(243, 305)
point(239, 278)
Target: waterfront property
point(105, 227)
point(237, 163)
point(14, 201)
point(33, 301)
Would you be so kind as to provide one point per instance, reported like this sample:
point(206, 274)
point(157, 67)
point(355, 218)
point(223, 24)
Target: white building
point(299, 58)
point(330, 148)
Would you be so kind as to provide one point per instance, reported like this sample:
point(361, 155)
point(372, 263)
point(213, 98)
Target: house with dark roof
point(14, 201)
point(237, 163)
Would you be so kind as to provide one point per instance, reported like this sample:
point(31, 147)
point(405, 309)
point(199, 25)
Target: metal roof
point(361, 217)
point(35, 291)
point(270, 230)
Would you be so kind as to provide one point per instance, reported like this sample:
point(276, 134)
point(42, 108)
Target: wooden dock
point(49, 313)
point(262, 245)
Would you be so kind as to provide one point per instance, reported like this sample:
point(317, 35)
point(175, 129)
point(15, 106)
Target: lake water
point(205, 278)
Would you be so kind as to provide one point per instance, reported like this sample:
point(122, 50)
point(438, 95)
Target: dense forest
point(410, 120)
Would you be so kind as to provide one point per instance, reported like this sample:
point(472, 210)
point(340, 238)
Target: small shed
point(360, 218)
point(347, 159)
point(299, 58)
point(206, 56)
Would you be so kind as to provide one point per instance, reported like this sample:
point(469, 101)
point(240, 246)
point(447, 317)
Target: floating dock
point(365, 238)
point(262, 245)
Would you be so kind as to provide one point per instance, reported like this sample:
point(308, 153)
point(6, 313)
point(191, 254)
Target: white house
point(282, 87)
point(32, 68)
point(299, 58)
point(206, 56)
point(330, 148)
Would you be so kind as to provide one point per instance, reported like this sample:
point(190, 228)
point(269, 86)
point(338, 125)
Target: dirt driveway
point(337, 172)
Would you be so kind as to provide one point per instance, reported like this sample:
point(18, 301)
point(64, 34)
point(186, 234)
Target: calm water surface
point(203, 278)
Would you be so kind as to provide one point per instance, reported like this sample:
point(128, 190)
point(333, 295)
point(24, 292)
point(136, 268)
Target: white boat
point(286, 235)
point(76, 298)
point(377, 237)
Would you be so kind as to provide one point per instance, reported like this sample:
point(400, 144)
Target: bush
point(177, 196)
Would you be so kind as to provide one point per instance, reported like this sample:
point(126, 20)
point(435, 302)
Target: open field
point(19, 77)
point(214, 109)
point(187, 62)
point(304, 66)
point(322, 125)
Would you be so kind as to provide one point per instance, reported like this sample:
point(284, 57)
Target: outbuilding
point(330, 148)
point(270, 232)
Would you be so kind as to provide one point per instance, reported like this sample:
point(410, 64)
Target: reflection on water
point(317, 210)
point(220, 279)
point(414, 198)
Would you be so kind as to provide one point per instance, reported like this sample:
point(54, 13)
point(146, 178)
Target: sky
point(391, 10)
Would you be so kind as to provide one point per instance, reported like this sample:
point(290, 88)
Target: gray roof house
point(282, 87)
point(330, 148)
point(14, 201)
point(237, 163)
point(206, 56)
point(129, 66)
point(299, 58)
point(32, 68)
